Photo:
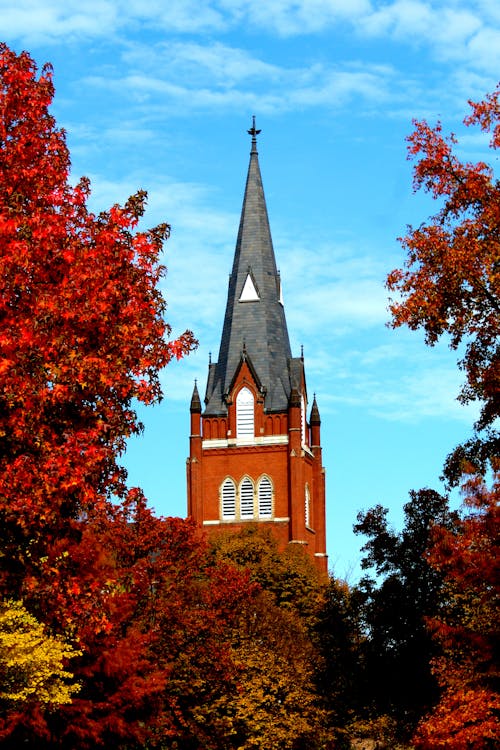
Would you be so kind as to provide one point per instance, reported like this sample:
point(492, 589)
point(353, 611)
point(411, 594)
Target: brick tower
point(254, 457)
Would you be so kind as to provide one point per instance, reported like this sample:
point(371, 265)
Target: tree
point(398, 648)
point(276, 704)
point(82, 335)
point(339, 639)
point(466, 626)
point(82, 332)
point(32, 663)
point(451, 280)
point(288, 574)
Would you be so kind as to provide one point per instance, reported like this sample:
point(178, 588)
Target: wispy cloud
point(454, 29)
point(35, 22)
point(47, 22)
point(295, 17)
point(195, 76)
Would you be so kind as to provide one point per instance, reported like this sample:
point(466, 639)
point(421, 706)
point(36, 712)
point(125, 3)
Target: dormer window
point(245, 419)
point(249, 293)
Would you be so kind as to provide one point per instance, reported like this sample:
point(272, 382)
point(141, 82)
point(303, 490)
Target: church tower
point(254, 456)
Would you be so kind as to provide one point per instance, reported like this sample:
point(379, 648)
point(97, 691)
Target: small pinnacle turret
point(195, 407)
point(315, 418)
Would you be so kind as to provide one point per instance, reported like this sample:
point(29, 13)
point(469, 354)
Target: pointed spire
point(195, 407)
point(314, 418)
point(254, 312)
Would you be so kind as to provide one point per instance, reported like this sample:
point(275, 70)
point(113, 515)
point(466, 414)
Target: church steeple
point(254, 457)
point(255, 317)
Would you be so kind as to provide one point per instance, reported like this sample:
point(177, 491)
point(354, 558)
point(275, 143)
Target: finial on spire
point(254, 133)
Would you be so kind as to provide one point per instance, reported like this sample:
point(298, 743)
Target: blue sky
point(159, 95)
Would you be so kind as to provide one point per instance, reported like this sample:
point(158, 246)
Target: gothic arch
point(245, 414)
point(265, 497)
point(246, 498)
point(228, 499)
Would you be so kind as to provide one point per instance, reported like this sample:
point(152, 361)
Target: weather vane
point(253, 132)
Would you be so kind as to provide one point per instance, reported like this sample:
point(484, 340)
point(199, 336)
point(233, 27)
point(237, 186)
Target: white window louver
point(265, 498)
point(246, 498)
point(308, 507)
point(228, 499)
point(245, 414)
point(303, 422)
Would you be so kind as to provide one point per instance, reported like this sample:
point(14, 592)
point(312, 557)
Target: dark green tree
point(398, 600)
point(338, 638)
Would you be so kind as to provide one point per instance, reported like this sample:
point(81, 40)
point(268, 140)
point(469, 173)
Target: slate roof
point(254, 329)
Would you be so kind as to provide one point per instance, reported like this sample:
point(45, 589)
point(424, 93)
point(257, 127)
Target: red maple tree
point(82, 331)
point(467, 627)
point(82, 334)
point(450, 283)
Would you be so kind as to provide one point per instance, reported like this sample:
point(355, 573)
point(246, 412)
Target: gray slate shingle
point(257, 328)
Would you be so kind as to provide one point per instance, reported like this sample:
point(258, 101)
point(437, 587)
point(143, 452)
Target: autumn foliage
point(32, 662)
point(81, 321)
point(451, 285)
point(467, 626)
point(82, 334)
point(121, 629)
point(117, 628)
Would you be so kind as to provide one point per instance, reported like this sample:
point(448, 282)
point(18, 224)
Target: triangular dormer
point(249, 292)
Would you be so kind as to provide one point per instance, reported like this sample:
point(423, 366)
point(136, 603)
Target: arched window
point(308, 507)
point(245, 414)
point(246, 498)
point(265, 498)
point(228, 494)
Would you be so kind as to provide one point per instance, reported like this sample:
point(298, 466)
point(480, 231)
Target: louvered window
point(245, 414)
point(246, 498)
point(228, 499)
point(308, 507)
point(265, 498)
point(303, 423)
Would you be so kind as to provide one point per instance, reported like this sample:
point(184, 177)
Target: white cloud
point(216, 62)
point(294, 17)
point(484, 50)
point(217, 76)
point(34, 22)
point(402, 381)
point(455, 29)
